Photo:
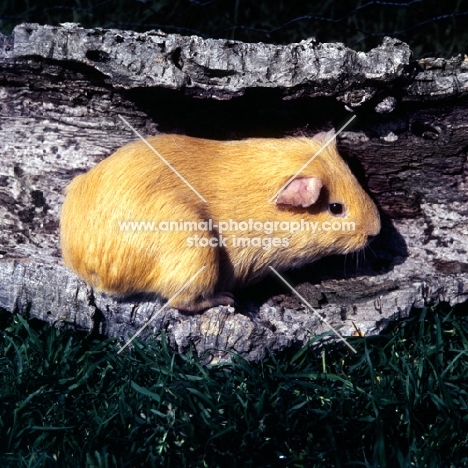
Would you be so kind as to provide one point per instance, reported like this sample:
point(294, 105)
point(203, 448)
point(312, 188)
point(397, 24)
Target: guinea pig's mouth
point(370, 238)
point(365, 241)
point(354, 242)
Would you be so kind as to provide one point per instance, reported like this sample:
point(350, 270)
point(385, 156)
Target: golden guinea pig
point(203, 218)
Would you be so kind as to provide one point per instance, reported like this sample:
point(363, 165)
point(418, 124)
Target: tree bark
point(62, 89)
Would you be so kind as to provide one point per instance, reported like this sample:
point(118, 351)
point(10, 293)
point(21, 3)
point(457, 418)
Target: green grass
point(73, 401)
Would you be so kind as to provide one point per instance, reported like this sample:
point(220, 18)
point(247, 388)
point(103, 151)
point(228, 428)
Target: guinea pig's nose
point(374, 227)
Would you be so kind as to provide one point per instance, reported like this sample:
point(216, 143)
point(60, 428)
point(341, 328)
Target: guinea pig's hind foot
point(219, 299)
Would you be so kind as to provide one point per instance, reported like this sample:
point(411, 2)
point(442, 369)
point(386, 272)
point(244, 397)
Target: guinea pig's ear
point(324, 137)
point(303, 191)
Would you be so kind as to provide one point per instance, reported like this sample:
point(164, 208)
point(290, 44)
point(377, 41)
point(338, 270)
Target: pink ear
point(303, 191)
point(323, 137)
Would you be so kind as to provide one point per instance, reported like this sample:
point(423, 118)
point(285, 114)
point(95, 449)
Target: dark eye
point(336, 209)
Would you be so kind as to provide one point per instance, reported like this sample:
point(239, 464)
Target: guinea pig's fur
point(237, 179)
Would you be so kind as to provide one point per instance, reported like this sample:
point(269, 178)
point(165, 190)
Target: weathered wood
point(62, 89)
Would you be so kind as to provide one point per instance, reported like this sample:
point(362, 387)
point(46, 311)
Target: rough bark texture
point(62, 89)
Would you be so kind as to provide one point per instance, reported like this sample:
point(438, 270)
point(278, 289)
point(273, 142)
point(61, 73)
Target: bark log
point(62, 89)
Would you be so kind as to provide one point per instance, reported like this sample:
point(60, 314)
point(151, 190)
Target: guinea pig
point(146, 222)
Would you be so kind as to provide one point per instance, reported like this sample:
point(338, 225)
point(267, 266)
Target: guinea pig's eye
point(336, 209)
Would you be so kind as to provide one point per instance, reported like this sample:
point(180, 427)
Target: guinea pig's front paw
point(219, 299)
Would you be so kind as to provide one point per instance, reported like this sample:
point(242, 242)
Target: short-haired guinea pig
point(131, 224)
